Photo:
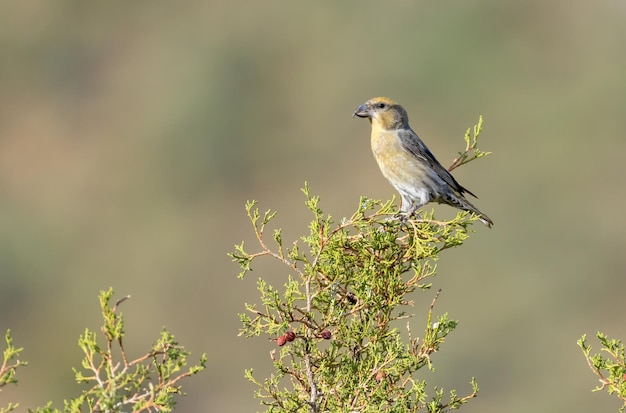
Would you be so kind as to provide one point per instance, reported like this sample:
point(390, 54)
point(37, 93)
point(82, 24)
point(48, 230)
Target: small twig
point(307, 355)
point(432, 304)
point(598, 373)
point(120, 301)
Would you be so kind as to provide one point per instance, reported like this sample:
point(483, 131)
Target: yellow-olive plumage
point(408, 164)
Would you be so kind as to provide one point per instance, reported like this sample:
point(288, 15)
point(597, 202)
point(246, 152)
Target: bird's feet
point(403, 217)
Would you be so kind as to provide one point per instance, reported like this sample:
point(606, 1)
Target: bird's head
point(383, 112)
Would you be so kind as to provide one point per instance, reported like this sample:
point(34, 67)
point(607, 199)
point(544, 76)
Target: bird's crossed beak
point(362, 112)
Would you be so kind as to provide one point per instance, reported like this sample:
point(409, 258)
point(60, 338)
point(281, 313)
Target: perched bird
point(408, 164)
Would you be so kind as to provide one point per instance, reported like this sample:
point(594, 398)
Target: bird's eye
point(381, 105)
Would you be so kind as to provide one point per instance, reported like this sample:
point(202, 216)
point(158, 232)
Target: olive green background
point(132, 133)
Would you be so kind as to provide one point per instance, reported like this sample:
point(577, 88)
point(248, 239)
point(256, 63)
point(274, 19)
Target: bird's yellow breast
point(396, 164)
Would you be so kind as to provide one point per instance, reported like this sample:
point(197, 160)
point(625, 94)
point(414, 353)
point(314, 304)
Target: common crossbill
point(408, 164)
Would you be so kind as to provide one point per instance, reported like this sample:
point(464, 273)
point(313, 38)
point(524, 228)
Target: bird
point(408, 164)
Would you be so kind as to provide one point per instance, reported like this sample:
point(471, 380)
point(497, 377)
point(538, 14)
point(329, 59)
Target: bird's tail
point(481, 216)
point(465, 205)
point(484, 219)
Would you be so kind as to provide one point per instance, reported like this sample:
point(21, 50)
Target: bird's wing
point(414, 145)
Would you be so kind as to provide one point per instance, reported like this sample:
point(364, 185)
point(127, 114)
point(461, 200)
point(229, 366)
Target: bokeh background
point(131, 135)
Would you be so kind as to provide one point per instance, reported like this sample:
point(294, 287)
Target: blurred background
point(131, 135)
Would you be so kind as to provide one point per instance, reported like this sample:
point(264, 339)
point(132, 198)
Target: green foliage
point(144, 384)
point(338, 318)
point(609, 365)
point(10, 363)
point(471, 151)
